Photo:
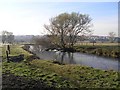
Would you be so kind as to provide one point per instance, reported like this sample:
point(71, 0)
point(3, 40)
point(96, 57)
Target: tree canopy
point(66, 27)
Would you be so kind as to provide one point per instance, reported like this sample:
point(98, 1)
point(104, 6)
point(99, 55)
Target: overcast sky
point(28, 17)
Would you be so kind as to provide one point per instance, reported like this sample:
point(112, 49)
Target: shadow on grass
point(17, 58)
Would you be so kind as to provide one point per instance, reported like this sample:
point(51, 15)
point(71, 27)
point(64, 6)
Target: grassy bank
point(107, 51)
point(48, 74)
point(98, 44)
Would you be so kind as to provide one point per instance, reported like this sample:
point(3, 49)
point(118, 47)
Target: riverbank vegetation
point(38, 73)
point(105, 50)
point(101, 50)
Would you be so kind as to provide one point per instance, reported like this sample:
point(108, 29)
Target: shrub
point(99, 51)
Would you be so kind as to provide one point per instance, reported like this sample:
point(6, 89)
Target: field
point(38, 73)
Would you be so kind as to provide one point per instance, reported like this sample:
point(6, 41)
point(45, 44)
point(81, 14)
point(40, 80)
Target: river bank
point(110, 51)
point(54, 75)
point(106, 51)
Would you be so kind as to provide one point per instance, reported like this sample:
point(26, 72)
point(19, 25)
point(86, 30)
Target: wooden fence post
point(8, 48)
point(7, 56)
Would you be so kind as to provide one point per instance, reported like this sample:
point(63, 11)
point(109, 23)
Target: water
point(78, 58)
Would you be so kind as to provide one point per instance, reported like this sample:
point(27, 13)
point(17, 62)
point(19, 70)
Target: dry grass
point(98, 44)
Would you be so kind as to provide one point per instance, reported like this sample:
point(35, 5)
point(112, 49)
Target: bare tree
point(66, 27)
point(4, 36)
point(10, 37)
point(7, 37)
point(111, 36)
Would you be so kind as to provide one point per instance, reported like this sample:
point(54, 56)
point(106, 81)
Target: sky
point(28, 17)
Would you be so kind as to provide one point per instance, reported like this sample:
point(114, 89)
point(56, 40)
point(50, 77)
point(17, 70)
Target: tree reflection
point(69, 59)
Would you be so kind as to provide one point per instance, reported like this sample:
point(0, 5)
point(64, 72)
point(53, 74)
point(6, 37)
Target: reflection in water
point(65, 57)
point(77, 58)
point(62, 57)
point(71, 58)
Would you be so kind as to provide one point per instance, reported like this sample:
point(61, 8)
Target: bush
point(99, 51)
point(107, 51)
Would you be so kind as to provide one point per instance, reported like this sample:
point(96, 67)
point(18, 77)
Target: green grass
point(81, 76)
point(15, 51)
point(107, 51)
point(60, 76)
point(30, 72)
point(24, 69)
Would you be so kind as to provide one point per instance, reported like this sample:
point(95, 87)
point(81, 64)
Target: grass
point(59, 76)
point(107, 51)
point(21, 69)
point(98, 44)
point(15, 51)
point(81, 76)
point(24, 69)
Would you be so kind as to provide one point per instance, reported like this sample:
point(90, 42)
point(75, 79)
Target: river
point(78, 58)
